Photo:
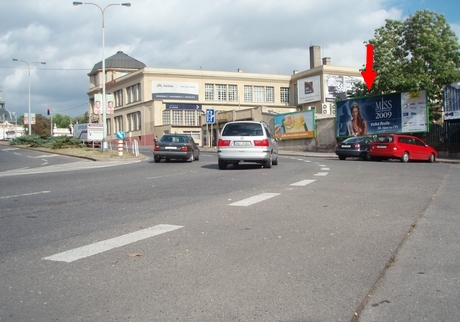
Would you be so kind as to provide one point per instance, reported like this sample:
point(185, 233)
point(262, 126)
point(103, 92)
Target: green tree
point(61, 121)
point(41, 126)
point(420, 53)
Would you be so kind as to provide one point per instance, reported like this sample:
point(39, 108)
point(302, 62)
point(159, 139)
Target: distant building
point(154, 101)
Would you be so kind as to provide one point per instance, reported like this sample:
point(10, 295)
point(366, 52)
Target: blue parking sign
point(210, 116)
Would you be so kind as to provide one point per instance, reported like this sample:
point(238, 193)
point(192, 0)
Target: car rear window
point(175, 139)
point(243, 129)
point(384, 139)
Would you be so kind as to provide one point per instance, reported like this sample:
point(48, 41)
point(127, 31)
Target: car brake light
point(263, 142)
point(357, 145)
point(184, 148)
point(156, 148)
point(223, 142)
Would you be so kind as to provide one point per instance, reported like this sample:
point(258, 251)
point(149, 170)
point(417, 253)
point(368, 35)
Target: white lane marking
point(302, 183)
point(254, 199)
point(325, 169)
point(44, 156)
point(108, 244)
point(168, 175)
point(10, 149)
point(25, 194)
point(80, 165)
point(321, 174)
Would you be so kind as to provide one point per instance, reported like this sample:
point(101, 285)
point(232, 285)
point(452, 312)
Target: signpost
point(210, 119)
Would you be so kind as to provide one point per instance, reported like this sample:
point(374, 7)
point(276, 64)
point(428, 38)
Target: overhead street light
point(29, 117)
point(104, 105)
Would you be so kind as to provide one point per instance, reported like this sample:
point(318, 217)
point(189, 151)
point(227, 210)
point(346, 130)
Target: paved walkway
point(319, 154)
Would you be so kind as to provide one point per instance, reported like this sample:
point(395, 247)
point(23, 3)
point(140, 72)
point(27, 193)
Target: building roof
point(119, 60)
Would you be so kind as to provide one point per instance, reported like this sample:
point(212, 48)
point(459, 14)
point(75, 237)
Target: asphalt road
point(311, 239)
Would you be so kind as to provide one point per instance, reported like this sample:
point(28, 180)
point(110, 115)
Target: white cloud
point(269, 36)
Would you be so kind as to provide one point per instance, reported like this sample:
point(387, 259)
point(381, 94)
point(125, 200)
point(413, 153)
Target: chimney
point(295, 71)
point(315, 56)
point(240, 70)
point(326, 60)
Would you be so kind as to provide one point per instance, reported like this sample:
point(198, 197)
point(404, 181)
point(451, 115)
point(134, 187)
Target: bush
point(58, 142)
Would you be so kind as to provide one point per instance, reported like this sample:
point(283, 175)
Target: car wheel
point(191, 158)
point(236, 164)
point(367, 156)
point(156, 159)
point(269, 163)
point(405, 157)
point(432, 158)
point(222, 165)
point(275, 162)
point(341, 157)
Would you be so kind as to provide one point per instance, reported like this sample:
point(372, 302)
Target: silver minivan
point(247, 141)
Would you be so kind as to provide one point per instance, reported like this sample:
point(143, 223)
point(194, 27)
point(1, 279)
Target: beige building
point(150, 102)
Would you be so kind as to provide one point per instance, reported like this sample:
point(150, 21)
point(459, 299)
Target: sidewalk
point(320, 154)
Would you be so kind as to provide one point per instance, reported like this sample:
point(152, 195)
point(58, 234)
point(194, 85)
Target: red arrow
point(369, 75)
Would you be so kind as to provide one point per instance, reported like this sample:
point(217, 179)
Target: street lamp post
point(104, 107)
point(28, 65)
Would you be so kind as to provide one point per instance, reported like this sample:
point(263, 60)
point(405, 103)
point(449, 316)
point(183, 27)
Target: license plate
point(241, 143)
point(170, 147)
point(381, 146)
point(346, 146)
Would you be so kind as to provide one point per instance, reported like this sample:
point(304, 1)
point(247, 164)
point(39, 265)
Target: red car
point(403, 147)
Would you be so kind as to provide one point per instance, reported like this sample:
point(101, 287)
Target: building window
point(247, 93)
point(259, 94)
point(190, 118)
point(232, 93)
point(118, 123)
point(134, 93)
point(270, 94)
point(284, 95)
point(221, 92)
point(209, 92)
point(194, 134)
point(177, 117)
point(118, 95)
point(134, 121)
point(166, 117)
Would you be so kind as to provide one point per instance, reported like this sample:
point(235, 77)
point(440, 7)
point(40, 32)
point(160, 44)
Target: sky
point(257, 36)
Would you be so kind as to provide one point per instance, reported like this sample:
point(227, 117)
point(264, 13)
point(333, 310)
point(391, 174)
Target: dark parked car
point(176, 146)
point(403, 147)
point(354, 147)
point(247, 141)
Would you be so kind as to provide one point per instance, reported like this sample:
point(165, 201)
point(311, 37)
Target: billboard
point(309, 89)
point(175, 90)
point(452, 102)
point(391, 113)
point(337, 86)
point(297, 125)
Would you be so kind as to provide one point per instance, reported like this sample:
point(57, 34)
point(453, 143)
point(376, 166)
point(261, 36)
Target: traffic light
point(48, 111)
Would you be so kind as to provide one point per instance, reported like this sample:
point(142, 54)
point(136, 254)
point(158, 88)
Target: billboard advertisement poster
point(309, 89)
point(97, 107)
point(337, 86)
point(297, 125)
point(391, 113)
point(175, 90)
point(26, 118)
point(452, 102)
point(110, 104)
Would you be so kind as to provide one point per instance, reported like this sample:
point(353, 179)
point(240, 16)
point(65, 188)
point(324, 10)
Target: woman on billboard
point(357, 125)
